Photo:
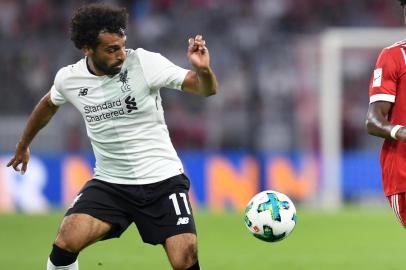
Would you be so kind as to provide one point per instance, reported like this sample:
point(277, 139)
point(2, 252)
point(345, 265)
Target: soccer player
point(386, 118)
point(138, 176)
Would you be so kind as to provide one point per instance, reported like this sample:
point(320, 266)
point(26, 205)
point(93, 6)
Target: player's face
point(109, 55)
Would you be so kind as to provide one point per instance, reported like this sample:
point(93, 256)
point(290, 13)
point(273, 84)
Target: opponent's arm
point(377, 121)
point(202, 81)
point(39, 118)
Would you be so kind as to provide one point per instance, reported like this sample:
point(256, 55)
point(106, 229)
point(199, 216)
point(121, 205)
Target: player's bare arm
point(377, 121)
point(202, 80)
point(39, 118)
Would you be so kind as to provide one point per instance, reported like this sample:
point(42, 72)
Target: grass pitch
point(351, 239)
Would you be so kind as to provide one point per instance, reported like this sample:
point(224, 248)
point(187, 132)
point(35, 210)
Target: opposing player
point(138, 176)
point(386, 118)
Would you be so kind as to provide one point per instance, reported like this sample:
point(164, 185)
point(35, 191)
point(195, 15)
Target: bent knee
point(190, 251)
point(68, 245)
point(186, 257)
point(80, 230)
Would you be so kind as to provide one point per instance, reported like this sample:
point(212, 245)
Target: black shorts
point(159, 210)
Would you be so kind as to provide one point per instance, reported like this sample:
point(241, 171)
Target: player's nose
point(121, 54)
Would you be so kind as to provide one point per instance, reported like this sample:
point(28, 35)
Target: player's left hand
point(198, 53)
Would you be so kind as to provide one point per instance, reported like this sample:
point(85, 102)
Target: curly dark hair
point(89, 20)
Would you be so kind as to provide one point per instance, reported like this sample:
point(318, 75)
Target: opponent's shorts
point(398, 204)
point(159, 210)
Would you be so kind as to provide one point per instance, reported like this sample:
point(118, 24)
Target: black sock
point(61, 257)
point(195, 266)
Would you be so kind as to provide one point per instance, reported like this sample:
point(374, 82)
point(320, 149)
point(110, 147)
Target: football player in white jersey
point(138, 176)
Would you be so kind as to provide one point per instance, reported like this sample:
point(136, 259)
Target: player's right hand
point(21, 156)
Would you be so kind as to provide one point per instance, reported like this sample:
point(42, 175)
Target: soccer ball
point(270, 216)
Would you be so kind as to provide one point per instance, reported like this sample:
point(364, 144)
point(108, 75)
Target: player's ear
point(87, 50)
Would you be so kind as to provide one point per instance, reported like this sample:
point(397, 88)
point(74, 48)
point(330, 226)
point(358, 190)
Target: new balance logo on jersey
point(183, 221)
point(131, 104)
point(82, 92)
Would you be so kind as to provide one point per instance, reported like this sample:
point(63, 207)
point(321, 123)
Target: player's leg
point(80, 230)
point(181, 243)
point(166, 218)
point(398, 204)
point(95, 215)
point(182, 251)
point(76, 232)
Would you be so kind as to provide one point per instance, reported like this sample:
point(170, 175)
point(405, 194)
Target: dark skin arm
point(39, 118)
point(377, 121)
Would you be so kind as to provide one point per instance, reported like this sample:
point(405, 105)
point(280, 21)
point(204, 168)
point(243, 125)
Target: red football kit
point(388, 83)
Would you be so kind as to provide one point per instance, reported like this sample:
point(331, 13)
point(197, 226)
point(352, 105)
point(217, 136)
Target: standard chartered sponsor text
point(114, 110)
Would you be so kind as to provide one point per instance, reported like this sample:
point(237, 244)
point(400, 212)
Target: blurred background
point(289, 116)
point(261, 131)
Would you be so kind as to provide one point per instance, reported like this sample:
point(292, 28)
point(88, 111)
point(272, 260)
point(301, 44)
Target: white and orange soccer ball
point(270, 216)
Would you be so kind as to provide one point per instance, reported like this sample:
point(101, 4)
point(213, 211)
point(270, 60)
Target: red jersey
point(388, 83)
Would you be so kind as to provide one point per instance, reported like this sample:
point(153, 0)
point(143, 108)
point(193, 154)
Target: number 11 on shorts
point(174, 200)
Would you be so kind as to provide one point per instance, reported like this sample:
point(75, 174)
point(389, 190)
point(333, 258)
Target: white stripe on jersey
point(382, 97)
point(399, 43)
point(404, 54)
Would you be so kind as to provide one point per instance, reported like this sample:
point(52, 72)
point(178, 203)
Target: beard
point(108, 70)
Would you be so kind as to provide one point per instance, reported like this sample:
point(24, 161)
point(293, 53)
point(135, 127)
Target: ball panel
point(270, 216)
point(269, 236)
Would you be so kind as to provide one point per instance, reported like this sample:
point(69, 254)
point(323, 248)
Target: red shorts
point(398, 204)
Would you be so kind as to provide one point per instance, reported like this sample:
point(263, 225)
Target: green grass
point(352, 239)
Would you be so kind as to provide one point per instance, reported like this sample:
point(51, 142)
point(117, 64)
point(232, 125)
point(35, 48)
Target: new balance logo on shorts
point(183, 221)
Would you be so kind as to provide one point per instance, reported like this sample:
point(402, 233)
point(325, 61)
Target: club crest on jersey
point(123, 78)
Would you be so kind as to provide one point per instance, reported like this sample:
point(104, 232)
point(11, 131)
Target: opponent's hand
point(21, 156)
point(198, 53)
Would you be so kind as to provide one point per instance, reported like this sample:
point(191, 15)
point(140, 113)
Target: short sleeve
point(160, 72)
point(384, 78)
point(57, 97)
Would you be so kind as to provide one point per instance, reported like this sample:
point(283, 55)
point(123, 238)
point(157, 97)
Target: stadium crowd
point(263, 51)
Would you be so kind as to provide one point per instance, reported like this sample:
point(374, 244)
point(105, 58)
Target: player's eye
point(111, 49)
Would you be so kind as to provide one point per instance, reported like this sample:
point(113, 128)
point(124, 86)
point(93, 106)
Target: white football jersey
point(124, 116)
